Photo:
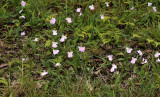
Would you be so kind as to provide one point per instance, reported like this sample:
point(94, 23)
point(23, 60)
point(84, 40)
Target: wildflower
point(140, 52)
point(57, 64)
point(54, 32)
point(23, 3)
point(107, 4)
point(22, 17)
point(102, 16)
point(129, 50)
point(55, 52)
point(44, 73)
point(78, 10)
point(81, 49)
point(157, 55)
point(63, 38)
point(91, 7)
point(80, 14)
point(53, 21)
point(132, 8)
point(154, 9)
point(70, 54)
point(69, 20)
point(113, 67)
point(144, 61)
point(36, 39)
point(149, 4)
point(23, 59)
point(158, 60)
point(20, 11)
point(133, 61)
point(110, 57)
point(54, 44)
point(23, 33)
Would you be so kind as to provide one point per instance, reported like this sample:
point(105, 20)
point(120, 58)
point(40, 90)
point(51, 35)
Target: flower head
point(158, 60)
point(110, 57)
point(80, 14)
point(157, 55)
point(63, 38)
point(44, 73)
point(91, 7)
point(57, 64)
point(107, 4)
point(55, 52)
point(78, 10)
point(36, 39)
point(23, 4)
point(53, 21)
point(23, 33)
point(20, 11)
point(81, 49)
point(144, 61)
point(69, 20)
point(132, 8)
point(54, 32)
point(139, 52)
point(113, 68)
point(54, 44)
point(154, 9)
point(133, 61)
point(129, 50)
point(70, 54)
point(22, 17)
point(102, 16)
point(149, 4)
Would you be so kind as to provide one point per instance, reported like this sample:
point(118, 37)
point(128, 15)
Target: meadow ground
point(80, 48)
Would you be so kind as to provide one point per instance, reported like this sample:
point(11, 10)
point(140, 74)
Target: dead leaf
point(3, 65)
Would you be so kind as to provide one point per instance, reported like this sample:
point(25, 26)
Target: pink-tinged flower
point(158, 60)
point(107, 4)
point(133, 61)
point(54, 32)
point(69, 20)
point(110, 57)
point(57, 64)
point(129, 50)
point(80, 14)
point(63, 38)
point(149, 4)
point(78, 10)
point(53, 21)
point(132, 8)
point(36, 39)
point(23, 4)
point(154, 9)
point(144, 61)
point(91, 7)
point(81, 49)
point(54, 44)
point(113, 68)
point(102, 16)
point(55, 52)
point(22, 17)
point(139, 52)
point(23, 33)
point(20, 11)
point(157, 55)
point(70, 54)
point(23, 59)
point(44, 73)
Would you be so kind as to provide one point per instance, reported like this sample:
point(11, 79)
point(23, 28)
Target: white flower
point(157, 55)
point(69, 20)
point(55, 52)
point(54, 44)
point(113, 68)
point(102, 16)
point(91, 7)
point(80, 14)
point(23, 33)
point(44, 73)
point(70, 54)
point(140, 52)
point(158, 60)
point(57, 64)
point(133, 61)
point(78, 10)
point(110, 57)
point(23, 4)
point(129, 50)
point(53, 21)
point(54, 32)
point(22, 17)
point(63, 38)
point(36, 39)
point(107, 4)
point(144, 61)
point(20, 11)
point(149, 4)
point(154, 9)
point(132, 8)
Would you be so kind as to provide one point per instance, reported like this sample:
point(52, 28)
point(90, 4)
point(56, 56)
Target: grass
point(86, 73)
